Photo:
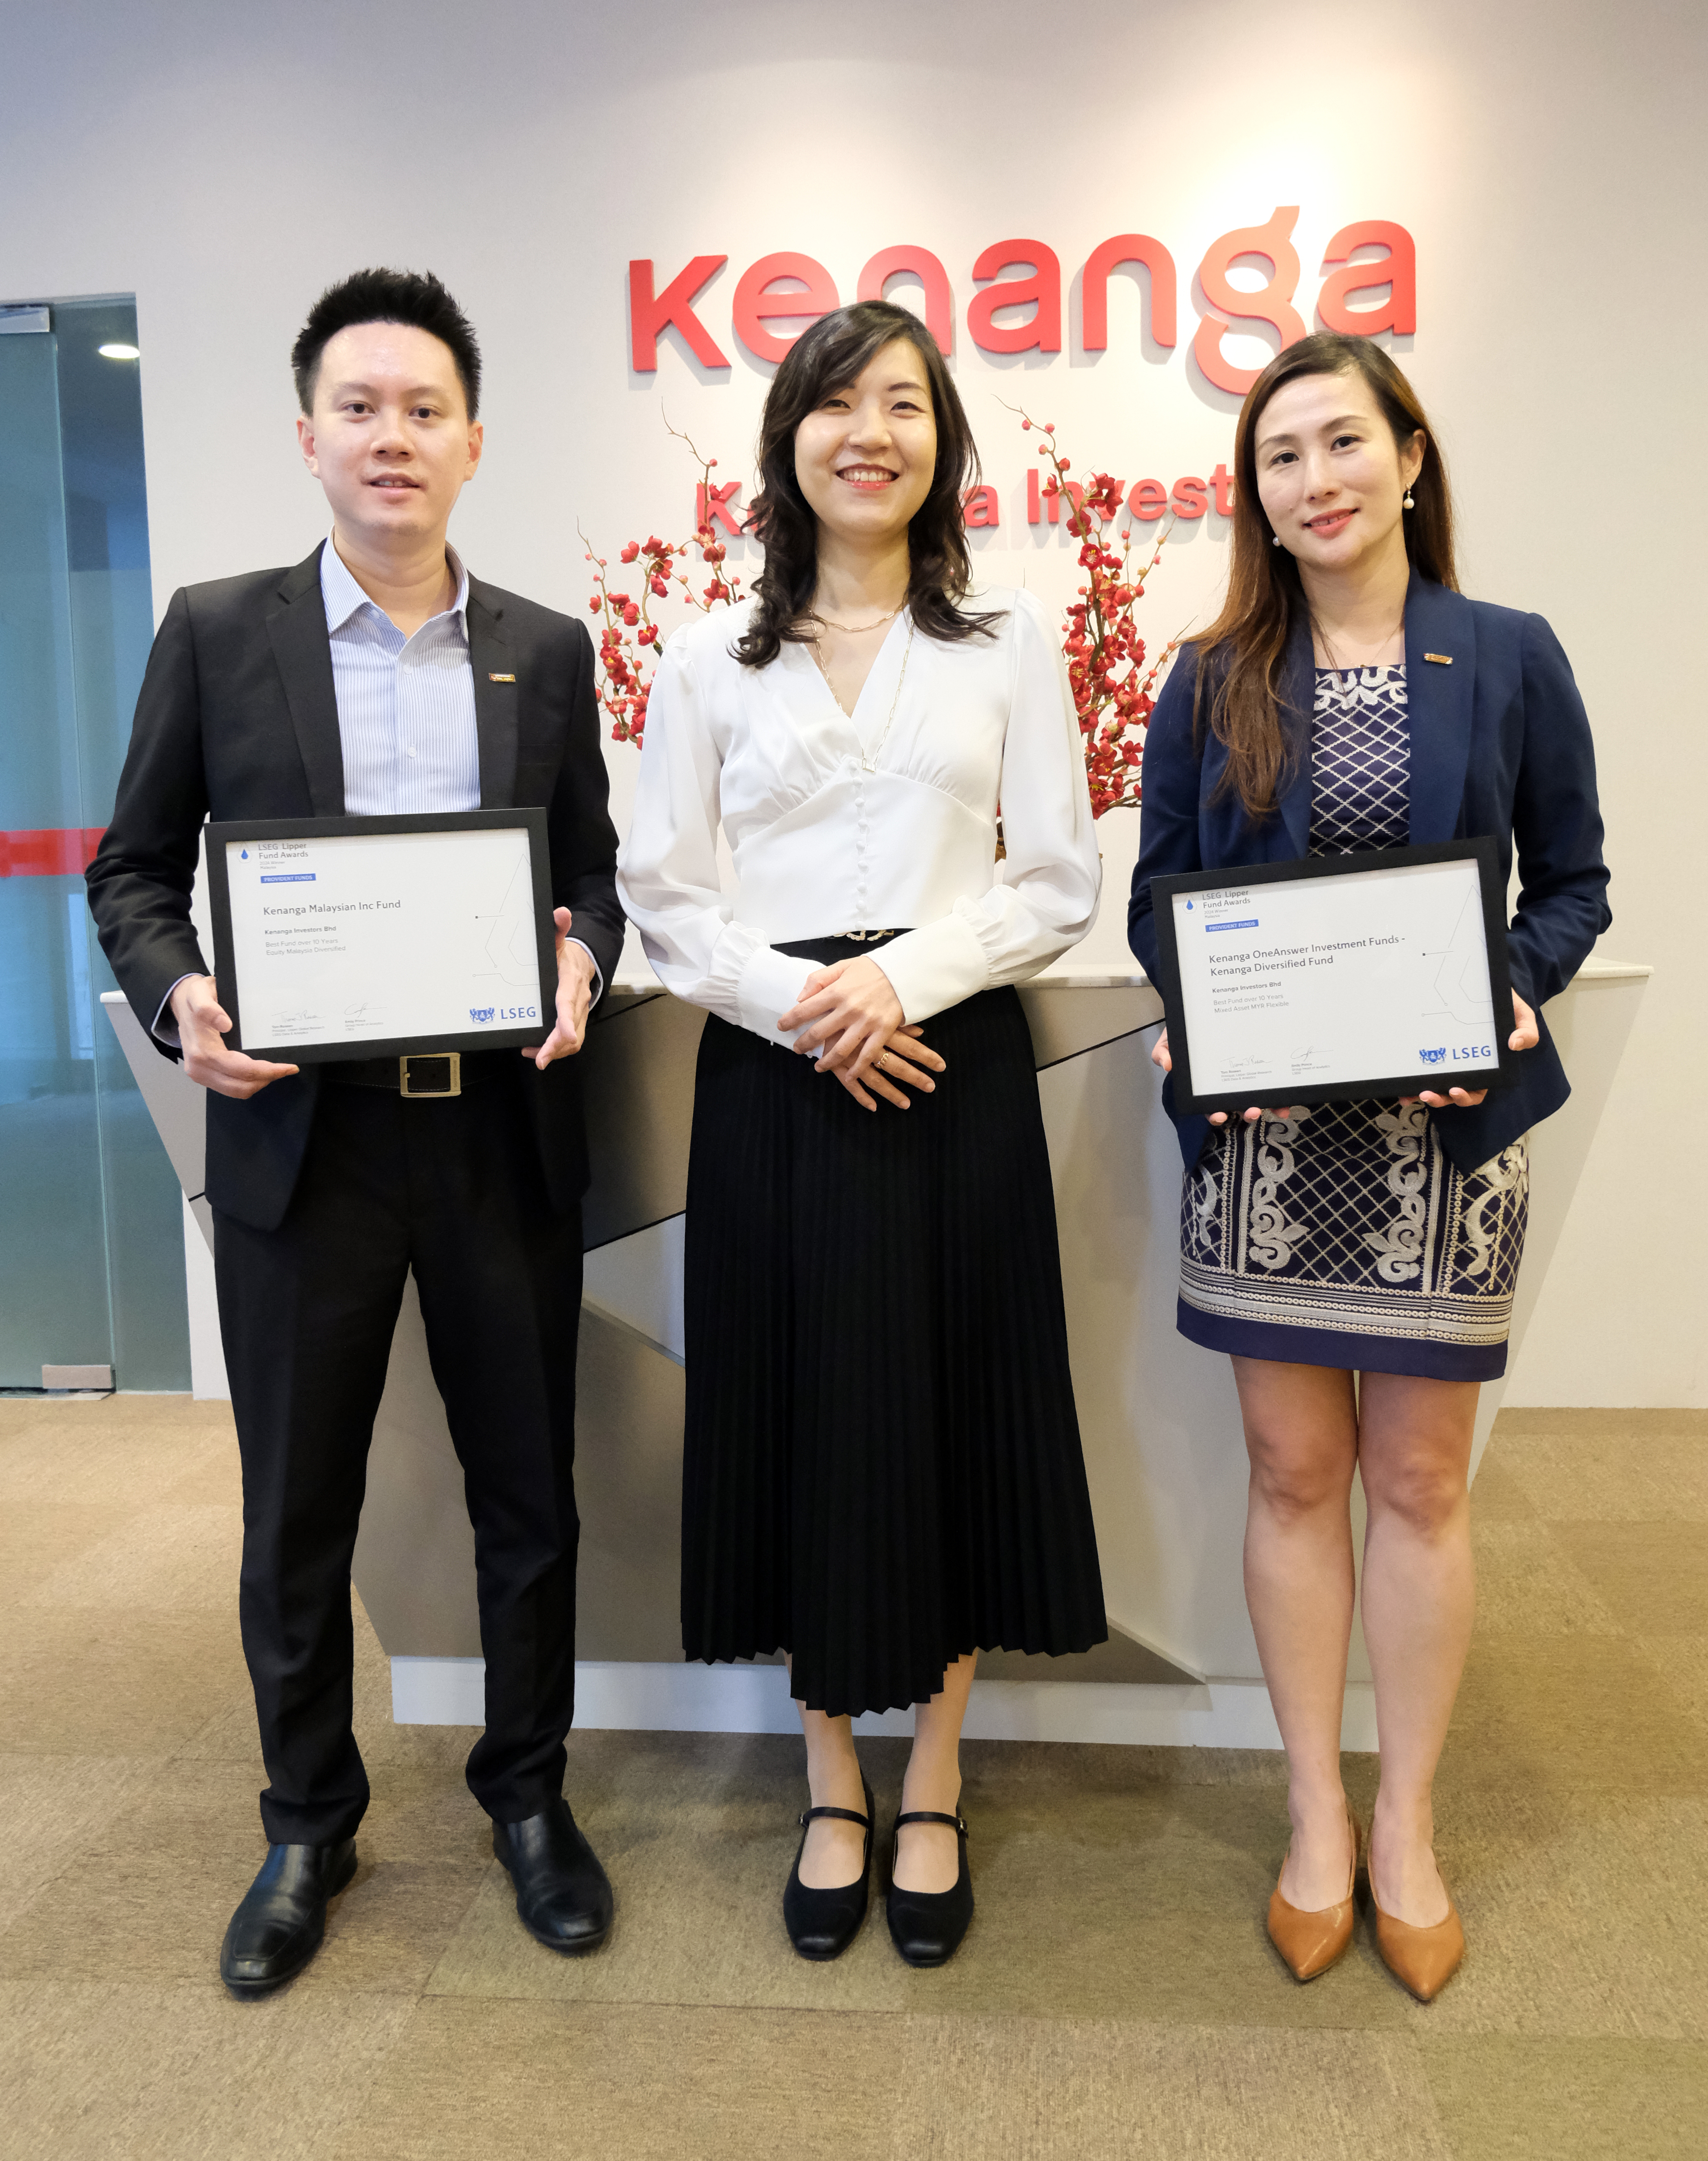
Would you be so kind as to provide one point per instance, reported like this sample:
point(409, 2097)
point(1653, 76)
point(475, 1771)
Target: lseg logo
point(1433, 1057)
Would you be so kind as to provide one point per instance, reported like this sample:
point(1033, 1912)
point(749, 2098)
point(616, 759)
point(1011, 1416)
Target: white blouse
point(882, 820)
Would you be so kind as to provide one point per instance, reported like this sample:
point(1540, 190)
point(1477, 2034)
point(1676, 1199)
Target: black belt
point(423, 1074)
point(839, 938)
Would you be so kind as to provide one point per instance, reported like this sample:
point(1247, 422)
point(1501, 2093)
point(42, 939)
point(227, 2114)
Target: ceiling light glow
point(119, 352)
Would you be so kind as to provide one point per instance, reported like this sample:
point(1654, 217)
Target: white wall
point(224, 163)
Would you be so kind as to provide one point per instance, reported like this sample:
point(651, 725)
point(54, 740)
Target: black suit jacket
point(238, 718)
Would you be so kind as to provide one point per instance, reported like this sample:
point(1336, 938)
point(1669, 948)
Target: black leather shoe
point(562, 1893)
point(821, 1925)
point(282, 1918)
point(927, 1926)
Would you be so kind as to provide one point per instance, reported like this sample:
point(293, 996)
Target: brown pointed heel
point(1422, 1959)
point(1310, 1943)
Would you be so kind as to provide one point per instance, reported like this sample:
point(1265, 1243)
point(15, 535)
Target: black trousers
point(450, 1189)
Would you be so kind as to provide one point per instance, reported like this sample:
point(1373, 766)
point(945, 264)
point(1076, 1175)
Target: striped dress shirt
point(406, 706)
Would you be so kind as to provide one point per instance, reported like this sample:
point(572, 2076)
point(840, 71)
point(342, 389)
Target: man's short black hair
point(387, 296)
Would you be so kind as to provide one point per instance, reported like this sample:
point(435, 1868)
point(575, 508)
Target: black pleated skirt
point(881, 1465)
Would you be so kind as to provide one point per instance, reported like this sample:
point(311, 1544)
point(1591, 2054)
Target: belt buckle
point(452, 1060)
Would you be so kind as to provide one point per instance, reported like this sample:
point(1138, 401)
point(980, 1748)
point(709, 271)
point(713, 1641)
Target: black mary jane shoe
point(927, 1926)
point(821, 1925)
point(281, 1917)
point(563, 1896)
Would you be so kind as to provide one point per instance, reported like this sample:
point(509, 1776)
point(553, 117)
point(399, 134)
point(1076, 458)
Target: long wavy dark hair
point(829, 357)
point(1241, 655)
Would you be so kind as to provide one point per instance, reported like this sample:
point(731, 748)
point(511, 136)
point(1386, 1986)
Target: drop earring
point(1274, 539)
point(1406, 503)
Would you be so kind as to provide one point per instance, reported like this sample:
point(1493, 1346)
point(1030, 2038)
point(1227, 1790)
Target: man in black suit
point(376, 677)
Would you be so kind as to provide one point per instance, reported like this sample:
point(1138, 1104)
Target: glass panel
point(52, 1259)
point(91, 1252)
point(113, 627)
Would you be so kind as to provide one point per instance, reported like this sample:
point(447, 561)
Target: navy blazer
point(1500, 744)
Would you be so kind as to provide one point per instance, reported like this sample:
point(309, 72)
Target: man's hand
point(202, 1022)
point(575, 995)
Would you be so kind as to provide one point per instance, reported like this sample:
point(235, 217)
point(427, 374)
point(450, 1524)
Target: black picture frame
point(530, 821)
point(1481, 851)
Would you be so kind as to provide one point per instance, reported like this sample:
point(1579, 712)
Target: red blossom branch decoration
point(1106, 656)
point(629, 638)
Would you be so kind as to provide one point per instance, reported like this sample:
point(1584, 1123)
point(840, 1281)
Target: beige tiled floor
point(1117, 1997)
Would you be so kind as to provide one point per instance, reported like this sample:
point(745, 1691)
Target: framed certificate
point(367, 937)
point(1363, 975)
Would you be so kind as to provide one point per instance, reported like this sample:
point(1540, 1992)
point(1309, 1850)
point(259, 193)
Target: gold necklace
point(1340, 667)
point(857, 629)
point(868, 759)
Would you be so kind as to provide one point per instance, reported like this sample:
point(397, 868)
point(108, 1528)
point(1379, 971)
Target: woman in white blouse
point(882, 1471)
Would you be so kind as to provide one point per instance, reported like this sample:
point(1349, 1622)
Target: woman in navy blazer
point(1350, 697)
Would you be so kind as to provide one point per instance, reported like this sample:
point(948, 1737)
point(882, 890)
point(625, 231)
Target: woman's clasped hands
point(852, 1025)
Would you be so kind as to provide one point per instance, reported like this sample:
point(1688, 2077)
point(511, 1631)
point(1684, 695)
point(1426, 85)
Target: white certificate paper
point(1329, 981)
point(360, 938)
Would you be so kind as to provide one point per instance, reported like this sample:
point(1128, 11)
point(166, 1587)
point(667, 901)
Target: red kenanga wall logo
point(785, 286)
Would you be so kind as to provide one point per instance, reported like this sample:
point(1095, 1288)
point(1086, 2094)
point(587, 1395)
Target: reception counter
point(1161, 1425)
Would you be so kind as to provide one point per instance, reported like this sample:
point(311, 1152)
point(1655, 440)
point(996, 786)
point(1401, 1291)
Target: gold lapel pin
point(1440, 660)
point(493, 678)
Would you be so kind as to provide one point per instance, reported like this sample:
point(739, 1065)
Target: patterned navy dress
point(1342, 1236)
